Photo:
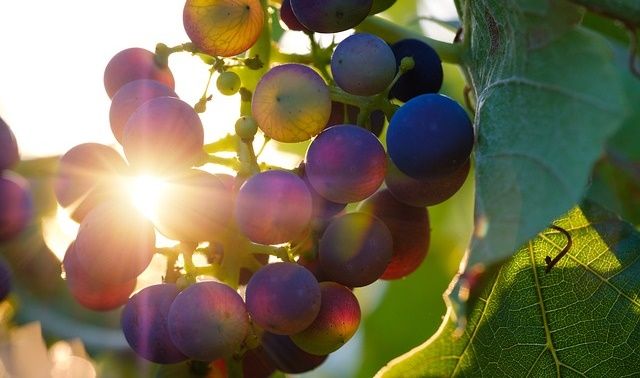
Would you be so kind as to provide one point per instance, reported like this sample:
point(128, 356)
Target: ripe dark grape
point(356, 52)
point(257, 364)
point(426, 75)
point(16, 205)
point(223, 27)
point(428, 136)
point(287, 356)
point(208, 320)
point(164, 134)
point(195, 206)
point(381, 5)
point(134, 64)
point(409, 228)
point(92, 294)
point(283, 298)
point(9, 155)
point(289, 19)
point(5, 280)
point(145, 325)
point(87, 175)
point(336, 323)
point(425, 192)
point(355, 249)
point(129, 97)
point(291, 103)
point(321, 207)
point(114, 243)
point(273, 207)
point(330, 16)
point(345, 163)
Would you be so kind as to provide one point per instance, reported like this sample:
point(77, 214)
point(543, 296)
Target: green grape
point(246, 127)
point(228, 83)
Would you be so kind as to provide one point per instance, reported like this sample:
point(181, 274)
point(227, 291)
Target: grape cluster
point(290, 311)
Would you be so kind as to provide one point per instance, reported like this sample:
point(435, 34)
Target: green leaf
point(627, 11)
point(548, 97)
point(582, 318)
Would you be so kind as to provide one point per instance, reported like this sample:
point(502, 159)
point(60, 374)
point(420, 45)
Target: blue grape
point(145, 324)
point(283, 298)
point(356, 52)
point(287, 356)
point(428, 136)
point(409, 227)
point(355, 249)
point(129, 97)
point(134, 64)
point(345, 163)
point(9, 155)
point(16, 205)
point(330, 16)
point(273, 207)
point(426, 75)
point(208, 320)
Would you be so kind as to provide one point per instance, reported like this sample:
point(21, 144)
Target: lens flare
point(144, 192)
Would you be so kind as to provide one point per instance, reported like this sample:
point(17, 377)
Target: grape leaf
point(548, 96)
point(579, 319)
point(625, 10)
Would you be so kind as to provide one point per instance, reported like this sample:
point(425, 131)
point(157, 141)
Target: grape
point(246, 128)
point(409, 228)
point(348, 114)
point(381, 5)
point(228, 83)
point(287, 356)
point(134, 64)
point(208, 320)
point(355, 249)
point(426, 75)
point(246, 274)
point(223, 27)
point(321, 207)
point(273, 207)
point(163, 134)
point(336, 323)
point(291, 103)
point(345, 163)
point(257, 364)
point(196, 206)
point(289, 19)
point(90, 293)
point(356, 52)
point(145, 325)
point(330, 16)
point(283, 298)
point(9, 155)
point(114, 243)
point(425, 192)
point(129, 97)
point(87, 176)
point(5, 280)
point(16, 205)
point(428, 136)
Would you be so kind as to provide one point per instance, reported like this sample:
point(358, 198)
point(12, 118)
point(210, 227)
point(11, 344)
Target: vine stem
point(391, 32)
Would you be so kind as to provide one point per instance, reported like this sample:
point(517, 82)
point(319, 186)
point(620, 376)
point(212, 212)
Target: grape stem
point(228, 143)
point(391, 32)
point(320, 58)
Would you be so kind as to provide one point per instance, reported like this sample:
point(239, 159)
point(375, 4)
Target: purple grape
point(330, 16)
point(355, 249)
point(87, 175)
point(208, 320)
point(129, 97)
point(356, 52)
point(114, 243)
point(196, 206)
point(9, 155)
point(257, 364)
point(425, 192)
point(92, 294)
point(145, 324)
point(5, 280)
point(348, 114)
point(321, 207)
point(134, 64)
point(164, 134)
point(287, 356)
point(283, 298)
point(345, 163)
point(429, 136)
point(273, 207)
point(16, 205)
point(336, 323)
point(289, 19)
point(409, 228)
point(426, 75)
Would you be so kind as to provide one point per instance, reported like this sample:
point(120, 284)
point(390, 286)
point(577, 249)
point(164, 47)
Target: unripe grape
point(228, 83)
point(246, 127)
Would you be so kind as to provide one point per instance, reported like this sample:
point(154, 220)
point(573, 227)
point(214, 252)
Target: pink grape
point(134, 64)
